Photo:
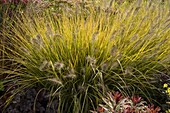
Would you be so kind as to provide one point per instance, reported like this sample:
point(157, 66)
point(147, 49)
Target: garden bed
point(68, 59)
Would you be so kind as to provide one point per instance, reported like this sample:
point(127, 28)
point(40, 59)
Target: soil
point(28, 101)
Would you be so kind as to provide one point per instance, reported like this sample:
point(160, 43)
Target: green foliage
point(1, 86)
point(78, 57)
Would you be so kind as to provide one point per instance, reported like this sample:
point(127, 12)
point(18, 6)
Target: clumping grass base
point(79, 57)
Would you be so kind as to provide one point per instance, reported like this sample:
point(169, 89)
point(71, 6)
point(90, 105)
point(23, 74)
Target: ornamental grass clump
point(79, 57)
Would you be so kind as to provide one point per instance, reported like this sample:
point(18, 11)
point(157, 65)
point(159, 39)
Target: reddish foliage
point(153, 109)
point(100, 109)
point(135, 107)
point(117, 96)
point(136, 99)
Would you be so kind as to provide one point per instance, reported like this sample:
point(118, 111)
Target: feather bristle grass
point(118, 50)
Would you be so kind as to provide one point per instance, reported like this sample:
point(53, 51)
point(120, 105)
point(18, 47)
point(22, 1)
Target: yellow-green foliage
point(167, 90)
point(84, 54)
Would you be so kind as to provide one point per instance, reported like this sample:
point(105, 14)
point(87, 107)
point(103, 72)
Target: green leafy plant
point(79, 57)
point(116, 103)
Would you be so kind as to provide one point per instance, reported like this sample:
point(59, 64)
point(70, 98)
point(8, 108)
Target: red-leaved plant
point(117, 103)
